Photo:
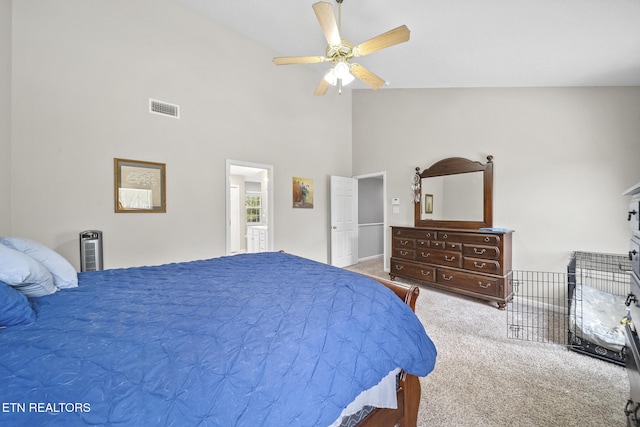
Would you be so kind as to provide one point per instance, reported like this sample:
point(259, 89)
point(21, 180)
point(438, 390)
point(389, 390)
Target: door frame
point(270, 201)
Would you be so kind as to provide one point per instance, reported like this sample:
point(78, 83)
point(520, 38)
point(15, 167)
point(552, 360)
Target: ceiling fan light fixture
point(348, 78)
point(330, 77)
point(342, 70)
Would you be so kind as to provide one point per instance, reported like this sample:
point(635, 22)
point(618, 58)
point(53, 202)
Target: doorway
point(372, 217)
point(249, 207)
point(359, 229)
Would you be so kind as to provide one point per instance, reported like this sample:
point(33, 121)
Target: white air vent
point(164, 108)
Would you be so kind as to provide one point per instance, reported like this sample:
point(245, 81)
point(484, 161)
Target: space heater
point(91, 250)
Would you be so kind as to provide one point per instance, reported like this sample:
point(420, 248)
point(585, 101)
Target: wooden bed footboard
point(409, 387)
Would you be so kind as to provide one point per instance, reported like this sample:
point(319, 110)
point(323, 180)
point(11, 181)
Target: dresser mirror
point(455, 193)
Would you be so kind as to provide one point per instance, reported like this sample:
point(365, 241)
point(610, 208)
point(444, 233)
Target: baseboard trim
point(369, 258)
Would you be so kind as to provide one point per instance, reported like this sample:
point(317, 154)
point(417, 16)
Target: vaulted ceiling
point(460, 43)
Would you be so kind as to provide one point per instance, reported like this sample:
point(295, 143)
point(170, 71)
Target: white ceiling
point(460, 43)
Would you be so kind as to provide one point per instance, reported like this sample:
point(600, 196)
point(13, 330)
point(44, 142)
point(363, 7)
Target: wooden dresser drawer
point(437, 245)
point(473, 282)
point(487, 266)
point(477, 251)
point(448, 258)
point(470, 238)
point(417, 271)
point(404, 253)
point(420, 243)
point(403, 243)
point(414, 233)
point(453, 246)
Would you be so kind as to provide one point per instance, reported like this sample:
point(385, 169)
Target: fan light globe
point(330, 77)
point(342, 70)
point(347, 79)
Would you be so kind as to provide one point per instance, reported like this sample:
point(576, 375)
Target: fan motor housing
point(343, 51)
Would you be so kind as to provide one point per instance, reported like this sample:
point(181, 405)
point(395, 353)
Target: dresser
point(476, 263)
point(632, 348)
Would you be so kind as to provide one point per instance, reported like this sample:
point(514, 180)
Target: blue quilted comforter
point(250, 340)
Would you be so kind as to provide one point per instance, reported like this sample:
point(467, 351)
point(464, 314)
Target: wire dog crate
point(582, 308)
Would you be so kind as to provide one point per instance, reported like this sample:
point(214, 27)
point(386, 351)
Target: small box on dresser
point(476, 263)
point(632, 348)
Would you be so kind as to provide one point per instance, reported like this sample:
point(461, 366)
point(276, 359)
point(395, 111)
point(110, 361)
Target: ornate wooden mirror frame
point(452, 166)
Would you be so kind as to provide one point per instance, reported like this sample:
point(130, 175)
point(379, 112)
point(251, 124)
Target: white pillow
point(24, 273)
point(64, 275)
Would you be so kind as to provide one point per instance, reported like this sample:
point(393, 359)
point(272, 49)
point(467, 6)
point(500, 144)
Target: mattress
point(265, 339)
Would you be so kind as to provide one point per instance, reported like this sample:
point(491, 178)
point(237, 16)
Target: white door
point(344, 221)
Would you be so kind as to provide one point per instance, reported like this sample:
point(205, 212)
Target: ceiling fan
point(341, 52)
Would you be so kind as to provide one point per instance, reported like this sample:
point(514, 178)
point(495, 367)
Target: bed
point(266, 339)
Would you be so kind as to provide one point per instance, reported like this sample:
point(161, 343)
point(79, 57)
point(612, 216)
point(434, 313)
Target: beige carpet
point(482, 378)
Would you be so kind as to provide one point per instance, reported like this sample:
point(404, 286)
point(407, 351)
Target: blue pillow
point(24, 273)
point(64, 275)
point(14, 307)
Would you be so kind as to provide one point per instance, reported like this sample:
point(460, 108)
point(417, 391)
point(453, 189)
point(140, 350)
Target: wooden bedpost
point(409, 388)
point(411, 400)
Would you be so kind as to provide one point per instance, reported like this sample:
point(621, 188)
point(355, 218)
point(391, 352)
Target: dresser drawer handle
point(404, 242)
point(479, 265)
point(426, 255)
point(399, 267)
point(486, 239)
point(428, 273)
point(445, 236)
point(479, 251)
point(445, 277)
point(449, 259)
point(488, 285)
point(403, 253)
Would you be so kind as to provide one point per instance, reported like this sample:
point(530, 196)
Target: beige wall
point(80, 75)
point(83, 74)
point(5, 116)
point(562, 158)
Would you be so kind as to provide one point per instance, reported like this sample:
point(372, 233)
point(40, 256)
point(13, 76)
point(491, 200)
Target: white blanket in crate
point(596, 316)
